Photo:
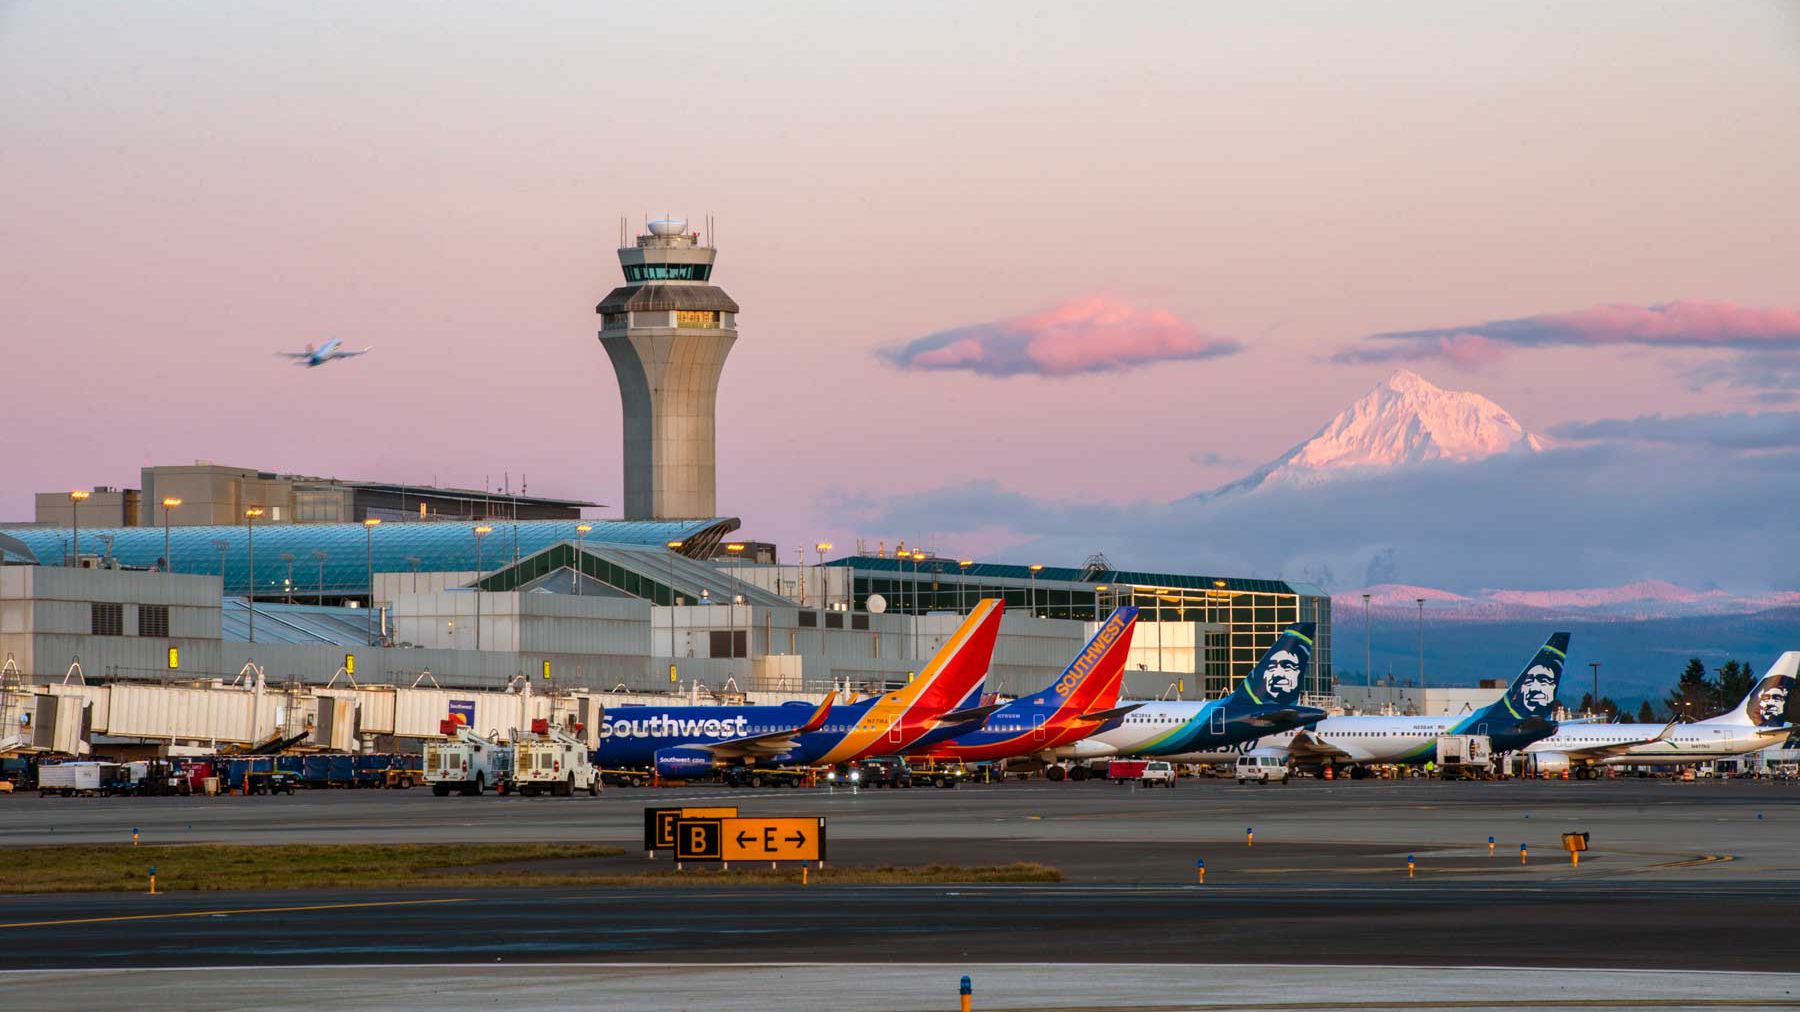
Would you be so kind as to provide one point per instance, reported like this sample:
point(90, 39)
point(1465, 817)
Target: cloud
point(1596, 514)
point(1764, 340)
point(1769, 430)
point(1095, 334)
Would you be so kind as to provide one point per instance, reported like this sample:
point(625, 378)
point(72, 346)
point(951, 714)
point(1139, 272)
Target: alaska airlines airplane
point(312, 357)
point(1076, 705)
point(1520, 717)
point(1760, 720)
point(1264, 703)
point(691, 741)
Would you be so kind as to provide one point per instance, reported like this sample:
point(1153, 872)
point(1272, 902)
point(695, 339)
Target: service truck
point(83, 779)
point(1465, 757)
point(553, 762)
point(466, 762)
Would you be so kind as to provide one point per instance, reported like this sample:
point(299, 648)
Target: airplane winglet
point(817, 720)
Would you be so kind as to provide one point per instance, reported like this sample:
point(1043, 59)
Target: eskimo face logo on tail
point(1533, 693)
point(1769, 700)
point(1277, 677)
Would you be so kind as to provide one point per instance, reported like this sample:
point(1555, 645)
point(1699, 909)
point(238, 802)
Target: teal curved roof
point(349, 549)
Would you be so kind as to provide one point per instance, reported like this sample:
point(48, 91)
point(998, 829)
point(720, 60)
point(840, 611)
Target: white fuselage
point(1685, 743)
point(1365, 739)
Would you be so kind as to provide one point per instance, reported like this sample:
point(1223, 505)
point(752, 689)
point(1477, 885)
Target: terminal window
point(107, 619)
point(153, 621)
point(729, 644)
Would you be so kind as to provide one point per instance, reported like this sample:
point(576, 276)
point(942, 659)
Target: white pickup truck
point(553, 762)
point(467, 763)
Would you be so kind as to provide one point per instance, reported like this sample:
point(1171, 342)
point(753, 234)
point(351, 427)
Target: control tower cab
point(667, 331)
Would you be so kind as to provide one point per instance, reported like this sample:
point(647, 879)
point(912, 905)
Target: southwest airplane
point(312, 357)
point(1264, 703)
point(1760, 720)
point(1517, 719)
point(1077, 704)
point(691, 741)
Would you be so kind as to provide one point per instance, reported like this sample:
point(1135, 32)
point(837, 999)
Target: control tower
point(667, 331)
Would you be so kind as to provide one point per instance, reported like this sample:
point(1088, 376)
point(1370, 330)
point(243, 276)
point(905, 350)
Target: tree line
point(1696, 696)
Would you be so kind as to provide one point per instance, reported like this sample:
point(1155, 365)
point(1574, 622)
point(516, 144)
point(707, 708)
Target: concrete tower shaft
point(668, 331)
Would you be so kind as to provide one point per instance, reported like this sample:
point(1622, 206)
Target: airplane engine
point(683, 763)
point(1087, 748)
point(1553, 764)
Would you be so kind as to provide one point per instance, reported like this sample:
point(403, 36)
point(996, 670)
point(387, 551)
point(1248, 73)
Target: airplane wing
point(1101, 716)
point(349, 354)
point(1309, 746)
point(973, 714)
point(1618, 748)
point(293, 354)
point(1283, 718)
point(769, 743)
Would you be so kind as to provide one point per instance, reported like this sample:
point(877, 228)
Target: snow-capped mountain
point(1405, 420)
point(1639, 601)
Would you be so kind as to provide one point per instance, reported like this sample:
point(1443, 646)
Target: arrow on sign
point(798, 839)
point(743, 839)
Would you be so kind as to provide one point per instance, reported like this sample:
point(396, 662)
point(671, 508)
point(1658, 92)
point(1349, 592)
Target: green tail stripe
point(1555, 651)
point(1297, 636)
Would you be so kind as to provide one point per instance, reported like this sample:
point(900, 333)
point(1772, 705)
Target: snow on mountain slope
point(1405, 420)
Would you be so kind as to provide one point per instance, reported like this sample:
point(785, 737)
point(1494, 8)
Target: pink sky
point(191, 188)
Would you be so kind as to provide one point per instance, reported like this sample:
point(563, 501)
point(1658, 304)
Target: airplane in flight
point(1266, 702)
point(1517, 719)
point(1758, 721)
point(312, 357)
point(1081, 700)
point(685, 742)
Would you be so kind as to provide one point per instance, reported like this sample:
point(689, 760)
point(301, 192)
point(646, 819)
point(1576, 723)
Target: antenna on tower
point(621, 231)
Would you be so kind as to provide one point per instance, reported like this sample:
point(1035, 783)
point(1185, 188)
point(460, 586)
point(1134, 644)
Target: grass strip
point(244, 867)
point(188, 868)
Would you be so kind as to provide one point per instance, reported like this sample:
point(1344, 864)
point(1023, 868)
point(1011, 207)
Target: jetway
point(66, 718)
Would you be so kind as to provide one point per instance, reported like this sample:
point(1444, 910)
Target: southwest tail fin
point(1533, 692)
point(955, 676)
point(1766, 704)
point(1281, 673)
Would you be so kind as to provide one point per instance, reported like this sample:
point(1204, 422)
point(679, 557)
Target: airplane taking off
point(312, 357)
point(1760, 720)
point(1266, 702)
point(1517, 719)
point(682, 742)
point(1077, 704)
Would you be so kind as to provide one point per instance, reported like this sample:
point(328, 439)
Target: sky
point(1083, 260)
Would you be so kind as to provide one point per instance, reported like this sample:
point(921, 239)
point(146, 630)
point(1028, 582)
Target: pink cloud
point(1098, 333)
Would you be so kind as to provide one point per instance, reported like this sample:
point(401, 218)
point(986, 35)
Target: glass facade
point(702, 319)
point(1235, 620)
point(638, 273)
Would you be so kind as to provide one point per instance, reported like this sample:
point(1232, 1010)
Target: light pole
point(734, 550)
point(250, 516)
point(824, 579)
point(369, 525)
point(221, 544)
point(76, 498)
point(581, 531)
point(320, 557)
point(1037, 567)
point(288, 584)
point(1368, 649)
point(673, 547)
point(414, 561)
point(1596, 666)
point(917, 609)
point(1421, 602)
point(168, 557)
point(481, 531)
point(962, 583)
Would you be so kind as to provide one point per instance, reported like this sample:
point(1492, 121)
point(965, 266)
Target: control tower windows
point(667, 272)
point(697, 318)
